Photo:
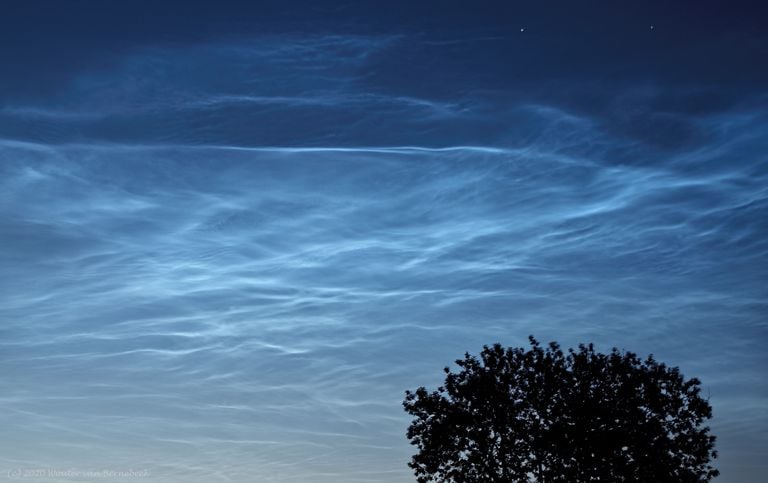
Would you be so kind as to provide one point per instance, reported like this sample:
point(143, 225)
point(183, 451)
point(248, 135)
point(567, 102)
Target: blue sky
point(233, 235)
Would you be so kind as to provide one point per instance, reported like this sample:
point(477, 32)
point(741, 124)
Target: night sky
point(233, 234)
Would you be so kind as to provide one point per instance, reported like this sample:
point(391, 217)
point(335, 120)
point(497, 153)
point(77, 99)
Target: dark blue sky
point(234, 233)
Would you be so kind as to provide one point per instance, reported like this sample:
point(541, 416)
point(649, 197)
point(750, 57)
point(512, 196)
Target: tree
point(545, 416)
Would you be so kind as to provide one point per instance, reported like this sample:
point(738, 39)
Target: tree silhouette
point(545, 416)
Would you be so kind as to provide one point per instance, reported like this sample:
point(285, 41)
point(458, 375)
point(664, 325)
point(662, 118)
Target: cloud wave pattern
point(220, 304)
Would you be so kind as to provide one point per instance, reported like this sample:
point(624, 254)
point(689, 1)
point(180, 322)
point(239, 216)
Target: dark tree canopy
point(542, 415)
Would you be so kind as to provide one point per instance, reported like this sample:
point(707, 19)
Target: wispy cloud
point(227, 262)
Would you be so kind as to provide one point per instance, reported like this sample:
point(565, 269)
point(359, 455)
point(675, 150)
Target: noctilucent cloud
point(233, 234)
